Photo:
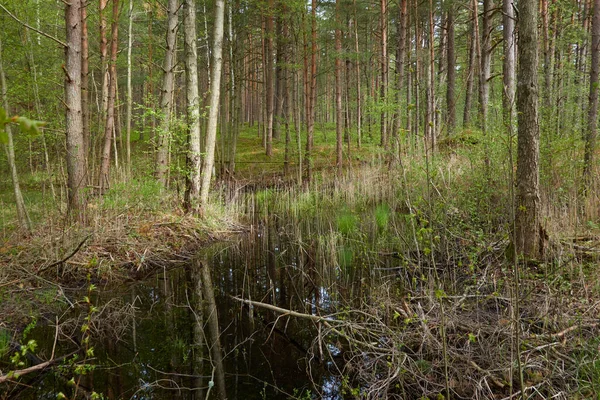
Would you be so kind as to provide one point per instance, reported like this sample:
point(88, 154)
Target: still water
point(157, 338)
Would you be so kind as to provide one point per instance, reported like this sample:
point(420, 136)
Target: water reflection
point(188, 338)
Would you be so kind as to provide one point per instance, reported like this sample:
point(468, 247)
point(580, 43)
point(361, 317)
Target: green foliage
point(142, 193)
point(4, 342)
point(28, 126)
point(347, 222)
point(382, 217)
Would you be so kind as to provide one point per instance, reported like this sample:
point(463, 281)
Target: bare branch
point(63, 44)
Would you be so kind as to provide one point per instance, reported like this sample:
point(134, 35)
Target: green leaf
point(3, 136)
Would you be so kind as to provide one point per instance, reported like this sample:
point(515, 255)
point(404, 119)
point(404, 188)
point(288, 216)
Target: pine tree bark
point(76, 170)
point(85, 94)
point(9, 147)
point(590, 142)
point(109, 128)
point(194, 159)
point(215, 92)
point(528, 194)
point(166, 97)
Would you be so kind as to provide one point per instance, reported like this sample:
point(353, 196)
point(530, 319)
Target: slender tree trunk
point(166, 98)
point(269, 86)
point(339, 119)
point(312, 94)
point(194, 159)
point(471, 69)
point(129, 87)
point(508, 63)
point(213, 323)
point(85, 94)
point(430, 125)
point(74, 121)
point(384, 73)
point(103, 64)
point(485, 57)
point(590, 143)
point(9, 147)
point(528, 195)
point(112, 94)
point(451, 73)
point(215, 92)
point(358, 94)
point(400, 61)
point(280, 91)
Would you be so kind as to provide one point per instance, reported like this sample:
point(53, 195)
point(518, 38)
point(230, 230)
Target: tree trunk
point(528, 195)
point(451, 73)
point(166, 97)
point(85, 94)
point(76, 170)
point(103, 65)
point(508, 63)
point(358, 94)
point(384, 74)
point(430, 126)
point(194, 159)
point(590, 143)
point(9, 147)
point(312, 94)
point(471, 69)
point(129, 87)
point(280, 91)
point(215, 92)
point(269, 96)
point(485, 56)
point(339, 118)
point(400, 60)
point(103, 182)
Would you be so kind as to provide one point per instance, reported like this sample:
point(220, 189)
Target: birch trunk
point(9, 147)
point(192, 192)
point(215, 92)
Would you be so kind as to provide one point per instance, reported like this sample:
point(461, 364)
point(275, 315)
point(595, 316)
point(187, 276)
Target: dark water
point(152, 338)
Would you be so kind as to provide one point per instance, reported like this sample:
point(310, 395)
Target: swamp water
point(153, 338)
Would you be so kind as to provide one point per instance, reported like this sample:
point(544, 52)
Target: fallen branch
point(283, 311)
point(67, 257)
point(561, 334)
point(38, 367)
